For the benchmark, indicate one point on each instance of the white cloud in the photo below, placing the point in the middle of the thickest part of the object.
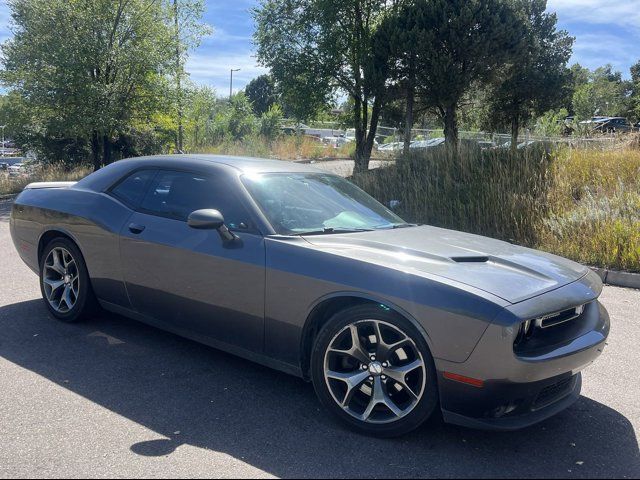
(219, 35)
(601, 49)
(621, 13)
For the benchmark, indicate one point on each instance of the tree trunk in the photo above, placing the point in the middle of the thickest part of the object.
(361, 158)
(366, 134)
(106, 150)
(411, 96)
(515, 130)
(178, 79)
(411, 93)
(95, 150)
(451, 128)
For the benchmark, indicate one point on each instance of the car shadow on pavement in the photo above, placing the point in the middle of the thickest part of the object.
(191, 394)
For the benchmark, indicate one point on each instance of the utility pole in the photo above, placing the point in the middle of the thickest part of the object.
(231, 82)
(3, 127)
(178, 77)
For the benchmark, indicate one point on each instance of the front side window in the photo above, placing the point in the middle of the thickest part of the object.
(131, 190)
(299, 203)
(177, 194)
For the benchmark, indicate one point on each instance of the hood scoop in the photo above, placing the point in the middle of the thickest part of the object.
(471, 259)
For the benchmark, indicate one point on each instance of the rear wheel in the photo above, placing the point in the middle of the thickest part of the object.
(64, 282)
(373, 370)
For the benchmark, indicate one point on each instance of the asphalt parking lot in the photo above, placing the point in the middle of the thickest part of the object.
(114, 398)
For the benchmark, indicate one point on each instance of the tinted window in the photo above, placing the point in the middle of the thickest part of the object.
(131, 190)
(177, 194)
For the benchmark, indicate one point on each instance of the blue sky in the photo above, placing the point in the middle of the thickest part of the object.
(606, 32)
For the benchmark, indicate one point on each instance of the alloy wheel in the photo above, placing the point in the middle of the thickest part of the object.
(61, 280)
(374, 371)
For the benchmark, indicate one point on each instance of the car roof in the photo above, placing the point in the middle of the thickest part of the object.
(106, 176)
(241, 164)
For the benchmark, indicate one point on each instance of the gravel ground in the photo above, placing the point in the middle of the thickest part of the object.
(114, 398)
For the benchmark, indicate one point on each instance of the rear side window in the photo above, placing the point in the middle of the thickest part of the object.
(131, 190)
(177, 194)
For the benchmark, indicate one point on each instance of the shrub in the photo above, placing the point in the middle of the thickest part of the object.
(270, 122)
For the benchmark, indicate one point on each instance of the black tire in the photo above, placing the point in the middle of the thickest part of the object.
(422, 410)
(85, 304)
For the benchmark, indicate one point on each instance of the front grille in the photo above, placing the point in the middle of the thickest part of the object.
(553, 393)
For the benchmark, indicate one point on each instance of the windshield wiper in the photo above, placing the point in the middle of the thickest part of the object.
(390, 226)
(330, 230)
(404, 225)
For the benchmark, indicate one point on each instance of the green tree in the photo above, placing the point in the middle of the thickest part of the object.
(270, 122)
(317, 47)
(262, 93)
(459, 45)
(605, 93)
(240, 119)
(200, 110)
(187, 34)
(394, 42)
(537, 79)
(90, 70)
(635, 91)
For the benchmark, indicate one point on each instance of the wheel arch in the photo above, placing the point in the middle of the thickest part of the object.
(325, 307)
(47, 236)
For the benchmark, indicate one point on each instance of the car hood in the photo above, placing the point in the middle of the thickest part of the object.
(507, 271)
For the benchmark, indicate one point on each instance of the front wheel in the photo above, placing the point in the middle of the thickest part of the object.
(373, 370)
(64, 282)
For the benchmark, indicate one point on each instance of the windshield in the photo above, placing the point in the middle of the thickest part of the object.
(299, 203)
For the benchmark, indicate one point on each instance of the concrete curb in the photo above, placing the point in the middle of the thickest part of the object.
(618, 279)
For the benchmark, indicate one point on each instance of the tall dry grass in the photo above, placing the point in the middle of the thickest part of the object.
(286, 147)
(595, 215)
(495, 193)
(44, 173)
(580, 203)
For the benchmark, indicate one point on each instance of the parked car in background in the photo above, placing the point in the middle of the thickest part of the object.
(424, 144)
(336, 142)
(16, 170)
(608, 124)
(391, 147)
(4, 166)
(485, 144)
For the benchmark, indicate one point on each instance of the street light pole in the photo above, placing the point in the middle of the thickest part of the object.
(231, 82)
(3, 149)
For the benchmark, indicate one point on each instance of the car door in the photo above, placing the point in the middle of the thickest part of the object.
(189, 281)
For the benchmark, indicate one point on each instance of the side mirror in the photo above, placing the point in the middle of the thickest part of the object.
(210, 219)
(206, 220)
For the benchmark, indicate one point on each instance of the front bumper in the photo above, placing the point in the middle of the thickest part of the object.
(531, 403)
(520, 389)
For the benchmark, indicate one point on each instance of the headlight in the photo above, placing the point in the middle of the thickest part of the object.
(525, 331)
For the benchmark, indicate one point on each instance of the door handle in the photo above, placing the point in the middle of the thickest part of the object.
(135, 228)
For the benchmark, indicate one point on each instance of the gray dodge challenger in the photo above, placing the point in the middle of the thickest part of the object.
(302, 271)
